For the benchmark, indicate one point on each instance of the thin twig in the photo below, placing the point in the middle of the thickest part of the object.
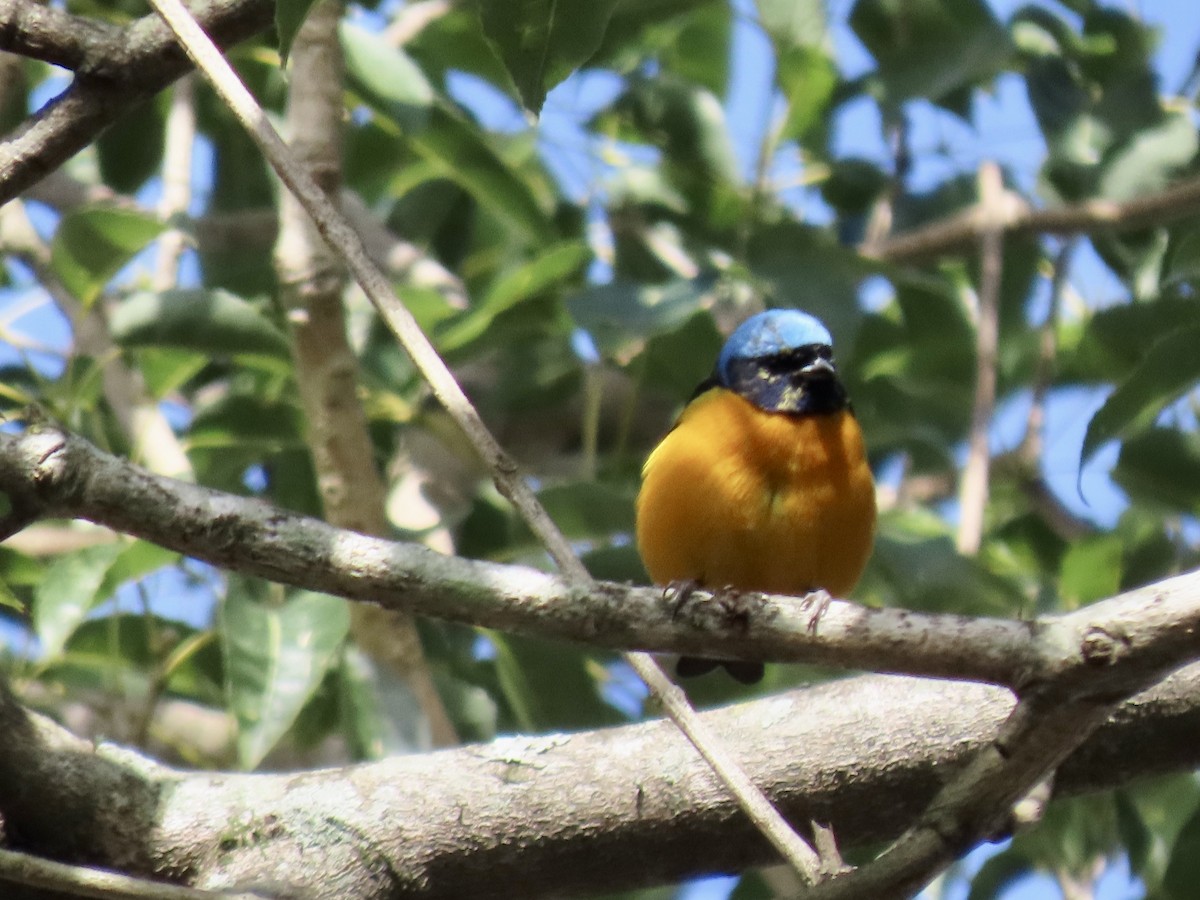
(957, 233)
(506, 475)
(1029, 452)
(85, 881)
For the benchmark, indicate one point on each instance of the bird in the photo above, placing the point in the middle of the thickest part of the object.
(763, 483)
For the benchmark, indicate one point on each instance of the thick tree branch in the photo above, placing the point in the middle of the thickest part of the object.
(973, 489)
(558, 814)
(1103, 648)
(115, 68)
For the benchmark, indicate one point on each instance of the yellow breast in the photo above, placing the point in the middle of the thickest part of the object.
(738, 496)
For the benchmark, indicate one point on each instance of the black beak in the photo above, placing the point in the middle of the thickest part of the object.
(819, 367)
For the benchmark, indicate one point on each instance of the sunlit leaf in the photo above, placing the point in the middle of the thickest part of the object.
(276, 655)
(386, 74)
(68, 592)
(93, 243)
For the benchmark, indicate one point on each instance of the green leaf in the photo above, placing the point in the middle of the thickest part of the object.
(9, 599)
(542, 41)
(248, 422)
(380, 716)
(276, 656)
(386, 75)
(621, 316)
(1162, 467)
(686, 121)
(997, 873)
(589, 509)
(69, 590)
(168, 369)
(131, 151)
(1183, 263)
(807, 268)
(808, 77)
(1134, 832)
(93, 243)
(455, 150)
(289, 16)
(544, 272)
(793, 23)
(136, 560)
(549, 685)
(1183, 870)
(1091, 570)
(206, 321)
(695, 46)
(930, 48)
(1150, 159)
(1118, 338)
(1170, 369)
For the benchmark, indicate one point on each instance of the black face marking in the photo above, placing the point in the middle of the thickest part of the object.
(800, 381)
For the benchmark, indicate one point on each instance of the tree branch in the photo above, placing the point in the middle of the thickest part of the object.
(558, 814)
(957, 234)
(973, 491)
(87, 881)
(115, 68)
(1105, 647)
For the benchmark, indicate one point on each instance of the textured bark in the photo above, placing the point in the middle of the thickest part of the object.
(556, 814)
(115, 69)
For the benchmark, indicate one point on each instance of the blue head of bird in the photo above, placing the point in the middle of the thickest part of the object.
(781, 360)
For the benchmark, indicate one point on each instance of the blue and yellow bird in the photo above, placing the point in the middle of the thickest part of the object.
(763, 484)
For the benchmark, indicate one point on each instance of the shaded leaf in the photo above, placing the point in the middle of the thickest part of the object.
(1161, 466)
(930, 48)
(455, 150)
(998, 873)
(550, 686)
(1171, 368)
(545, 271)
(620, 316)
(1183, 870)
(1091, 570)
(289, 16)
(131, 151)
(589, 509)
(542, 41)
(206, 321)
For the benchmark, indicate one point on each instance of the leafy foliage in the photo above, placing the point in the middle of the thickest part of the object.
(604, 250)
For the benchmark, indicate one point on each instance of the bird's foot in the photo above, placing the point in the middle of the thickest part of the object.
(678, 593)
(816, 604)
(728, 609)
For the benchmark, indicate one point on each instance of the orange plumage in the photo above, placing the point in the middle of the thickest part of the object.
(763, 484)
(760, 501)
